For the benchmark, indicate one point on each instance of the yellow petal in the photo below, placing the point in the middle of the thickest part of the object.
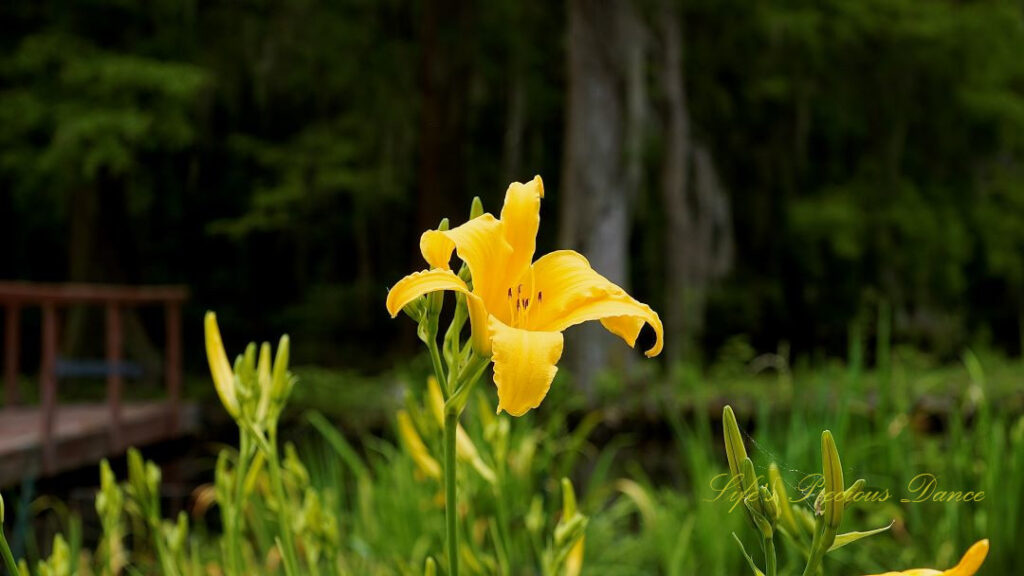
(426, 281)
(568, 291)
(481, 244)
(520, 217)
(972, 560)
(419, 283)
(914, 572)
(524, 365)
(968, 566)
(220, 368)
(436, 249)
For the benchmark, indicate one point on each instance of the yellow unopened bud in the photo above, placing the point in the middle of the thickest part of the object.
(414, 445)
(430, 568)
(264, 379)
(435, 400)
(220, 368)
(465, 449)
(570, 513)
(574, 562)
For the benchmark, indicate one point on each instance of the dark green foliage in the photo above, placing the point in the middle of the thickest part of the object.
(871, 151)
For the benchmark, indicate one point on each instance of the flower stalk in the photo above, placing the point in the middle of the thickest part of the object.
(254, 392)
(5, 548)
(451, 422)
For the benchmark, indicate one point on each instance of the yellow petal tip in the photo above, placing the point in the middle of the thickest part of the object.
(971, 561)
(539, 183)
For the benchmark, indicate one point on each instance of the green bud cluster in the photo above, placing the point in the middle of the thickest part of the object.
(770, 509)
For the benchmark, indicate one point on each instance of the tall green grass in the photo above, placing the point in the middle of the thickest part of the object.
(362, 504)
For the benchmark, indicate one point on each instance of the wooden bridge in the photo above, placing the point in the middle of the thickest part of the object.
(53, 437)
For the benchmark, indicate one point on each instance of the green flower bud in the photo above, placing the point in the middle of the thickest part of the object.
(751, 493)
(282, 379)
(264, 379)
(568, 499)
(752, 498)
(735, 451)
(535, 516)
(770, 504)
(416, 309)
(834, 490)
(786, 517)
(852, 491)
(476, 209)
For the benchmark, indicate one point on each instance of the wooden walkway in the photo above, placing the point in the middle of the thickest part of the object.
(82, 435)
(43, 440)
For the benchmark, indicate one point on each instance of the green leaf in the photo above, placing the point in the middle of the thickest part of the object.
(850, 537)
(757, 571)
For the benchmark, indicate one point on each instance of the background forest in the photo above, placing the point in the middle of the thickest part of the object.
(778, 169)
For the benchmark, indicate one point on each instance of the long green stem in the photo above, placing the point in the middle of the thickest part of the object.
(435, 360)
(234, 527)
(769, 554)
(451, 422)
(5, 549)
(287, 541)
(822, 542)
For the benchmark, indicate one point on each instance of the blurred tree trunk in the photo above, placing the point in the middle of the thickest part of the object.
(515, 111)
(674, 180)
(443, 78)
(699, 244)
(515, 126)
(97, 251)
(601, 157)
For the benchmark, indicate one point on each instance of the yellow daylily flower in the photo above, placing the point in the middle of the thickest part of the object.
(968, 565)
(519, 307)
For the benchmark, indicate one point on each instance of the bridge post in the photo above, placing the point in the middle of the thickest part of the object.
(114, 378)
(48, 383)
(172, 360)
(12, 351)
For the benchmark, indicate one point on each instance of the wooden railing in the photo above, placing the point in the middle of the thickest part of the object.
(51, 298)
